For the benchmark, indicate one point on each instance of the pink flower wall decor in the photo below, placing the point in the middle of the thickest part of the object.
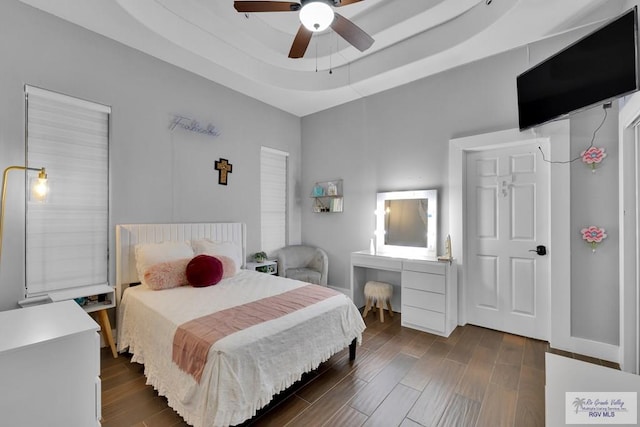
(593, 235)
(593, 156)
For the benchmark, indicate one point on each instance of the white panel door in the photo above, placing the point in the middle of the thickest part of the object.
(507, 218)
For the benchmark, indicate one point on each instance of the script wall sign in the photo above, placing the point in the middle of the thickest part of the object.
(192, 125)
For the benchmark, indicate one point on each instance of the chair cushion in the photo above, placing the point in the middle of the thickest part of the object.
(378, 290)
(304, 275)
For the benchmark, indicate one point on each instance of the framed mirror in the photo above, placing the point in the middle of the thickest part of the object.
(407, 223)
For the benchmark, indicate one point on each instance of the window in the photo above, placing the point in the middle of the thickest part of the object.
(67, 237)
(273, 199)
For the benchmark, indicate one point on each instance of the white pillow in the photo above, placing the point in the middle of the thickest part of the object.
(228, 249)
(149, 254)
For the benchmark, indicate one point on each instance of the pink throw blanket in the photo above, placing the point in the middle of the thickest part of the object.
(193, 339)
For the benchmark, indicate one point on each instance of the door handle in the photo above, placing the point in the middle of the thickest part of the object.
(540, 250)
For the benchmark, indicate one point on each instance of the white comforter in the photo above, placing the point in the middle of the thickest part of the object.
(244, 370)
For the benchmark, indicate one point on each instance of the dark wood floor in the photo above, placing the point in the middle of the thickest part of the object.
(401, 377)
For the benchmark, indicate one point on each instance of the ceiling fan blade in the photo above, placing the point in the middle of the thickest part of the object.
(352, 33)
(265, 6)
(300, 43)
(346, 2)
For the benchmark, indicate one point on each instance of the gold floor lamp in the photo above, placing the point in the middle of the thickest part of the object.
(38, 191)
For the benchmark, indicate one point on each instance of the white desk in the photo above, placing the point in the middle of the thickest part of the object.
(426, 289)
(49, 366)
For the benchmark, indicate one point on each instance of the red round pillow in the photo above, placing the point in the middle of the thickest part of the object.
(204, 270)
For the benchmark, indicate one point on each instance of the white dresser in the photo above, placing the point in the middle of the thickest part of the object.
(427, 288)
(49, 366)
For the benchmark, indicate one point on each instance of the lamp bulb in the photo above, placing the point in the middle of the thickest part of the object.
(40, 189)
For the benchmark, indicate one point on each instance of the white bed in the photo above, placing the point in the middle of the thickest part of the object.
(244, 370)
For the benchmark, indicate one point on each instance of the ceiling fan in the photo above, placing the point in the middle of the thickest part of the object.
(315, 16)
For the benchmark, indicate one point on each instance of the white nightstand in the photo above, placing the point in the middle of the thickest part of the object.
(97, 300)
(269, 267)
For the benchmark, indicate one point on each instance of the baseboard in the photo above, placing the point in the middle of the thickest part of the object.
(586, 347)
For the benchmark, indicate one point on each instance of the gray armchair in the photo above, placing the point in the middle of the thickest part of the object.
(305, 263)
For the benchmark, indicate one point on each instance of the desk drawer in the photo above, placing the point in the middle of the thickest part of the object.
(424, 266)
(377, 262)
(425, 300)
(423, 281)
(423, 318)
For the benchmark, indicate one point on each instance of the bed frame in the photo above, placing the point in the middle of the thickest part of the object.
(129, 235)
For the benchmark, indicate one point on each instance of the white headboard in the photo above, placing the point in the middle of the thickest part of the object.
(129, 235)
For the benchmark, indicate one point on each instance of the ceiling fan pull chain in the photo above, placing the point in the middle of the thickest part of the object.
(337, 39)
(330, 66)
(330, 53)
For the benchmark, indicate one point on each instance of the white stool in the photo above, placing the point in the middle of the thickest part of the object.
(380, 293)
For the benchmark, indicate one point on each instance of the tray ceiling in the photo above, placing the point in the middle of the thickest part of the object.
(248, 52)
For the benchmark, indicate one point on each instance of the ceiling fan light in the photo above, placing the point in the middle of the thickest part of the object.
(316, 16)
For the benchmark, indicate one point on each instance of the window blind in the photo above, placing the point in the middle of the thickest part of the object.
(67, 236)
(273, 199)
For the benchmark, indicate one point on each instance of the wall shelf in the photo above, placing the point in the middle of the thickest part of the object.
(327, 196)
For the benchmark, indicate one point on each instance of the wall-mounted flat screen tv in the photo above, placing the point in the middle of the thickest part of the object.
(596, 69)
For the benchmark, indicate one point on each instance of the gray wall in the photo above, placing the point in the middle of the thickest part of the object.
(595, 307)
(395, 140)
(156, 175)
(398, 140)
